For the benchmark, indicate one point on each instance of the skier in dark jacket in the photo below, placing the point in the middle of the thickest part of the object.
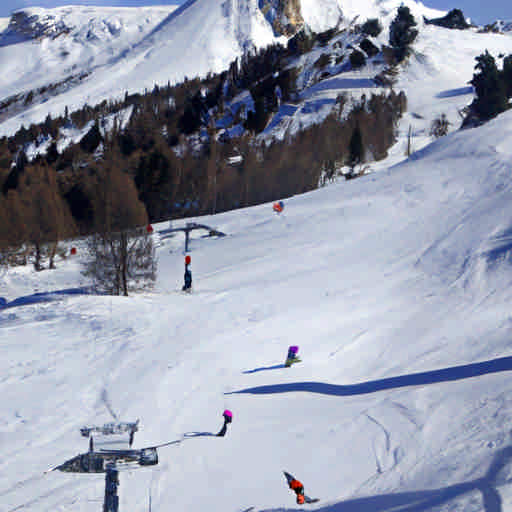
(188, 275)
(228, 418)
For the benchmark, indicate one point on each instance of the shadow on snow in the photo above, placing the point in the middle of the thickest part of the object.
(265, 368)
(451, 93)
(36, 298)
(190, 435)
(453, 373)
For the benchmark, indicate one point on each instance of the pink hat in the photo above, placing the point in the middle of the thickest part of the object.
(228, 413)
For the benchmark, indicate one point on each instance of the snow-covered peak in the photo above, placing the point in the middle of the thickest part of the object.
(323, 14)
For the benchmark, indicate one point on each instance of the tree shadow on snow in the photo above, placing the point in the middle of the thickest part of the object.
(36, 298)
(422, 501)
(265, 368)
(453, 373)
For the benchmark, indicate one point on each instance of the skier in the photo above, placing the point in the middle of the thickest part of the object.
(292, 356)
(278, 207)
(188, 275)
(228, 418)
(296, 486)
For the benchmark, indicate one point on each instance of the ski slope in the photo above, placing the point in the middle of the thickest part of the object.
(396, 287)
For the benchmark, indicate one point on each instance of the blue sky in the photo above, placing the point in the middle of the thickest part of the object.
(478, 11)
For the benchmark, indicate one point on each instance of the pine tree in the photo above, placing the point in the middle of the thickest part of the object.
(357, 59)
(52, 154)
(153, 180)
(507, 75)
(489, 87)
(356, 148)
(92, 139)
(371, 27)
(402, 32)
(4, 235)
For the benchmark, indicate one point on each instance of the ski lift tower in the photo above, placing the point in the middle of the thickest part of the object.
(111, 501)
(110, 462)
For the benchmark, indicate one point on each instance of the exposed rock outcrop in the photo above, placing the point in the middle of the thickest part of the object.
(284, 15)
(24, 25)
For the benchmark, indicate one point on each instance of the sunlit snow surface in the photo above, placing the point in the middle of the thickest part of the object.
(395, 286)
(81, 39)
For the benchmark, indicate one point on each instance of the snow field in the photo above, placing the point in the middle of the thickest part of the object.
(396, 288)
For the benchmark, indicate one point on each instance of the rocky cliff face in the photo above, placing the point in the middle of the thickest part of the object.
(284, 15)
(25, 25)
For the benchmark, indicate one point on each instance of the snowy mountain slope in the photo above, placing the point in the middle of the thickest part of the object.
(201, 36)
(48, 45)
(4, 22)
(436, 79)
(396, 287)
(431, 81)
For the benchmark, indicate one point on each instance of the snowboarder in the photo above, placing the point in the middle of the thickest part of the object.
(298, 488)
(292, 356)
(228, 418)
(187, 287)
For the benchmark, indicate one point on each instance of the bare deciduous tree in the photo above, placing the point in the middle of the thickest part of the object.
(122, 251)
(47, 216)
(4, 235)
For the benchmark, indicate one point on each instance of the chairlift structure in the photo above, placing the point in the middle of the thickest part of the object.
(110, 462)
(190, 226)
(112, 428)
(99, 461)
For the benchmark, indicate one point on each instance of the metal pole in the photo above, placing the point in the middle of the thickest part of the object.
(111, 503)
(187, 232)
